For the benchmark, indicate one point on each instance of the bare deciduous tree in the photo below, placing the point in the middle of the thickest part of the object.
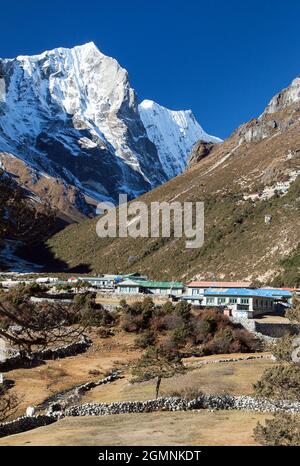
(27, 325)
(8, 404)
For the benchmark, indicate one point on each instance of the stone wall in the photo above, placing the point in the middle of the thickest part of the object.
(24, 423)
(61, 400)
(231, 359)
(251, 326)
(214, 402)
(211, 402)
(19, 360)
(275, 330)
(266, 331)
(115, 298)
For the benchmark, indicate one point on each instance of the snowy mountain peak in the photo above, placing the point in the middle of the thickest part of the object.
(83, 49)
(72, 114)
(174, 132)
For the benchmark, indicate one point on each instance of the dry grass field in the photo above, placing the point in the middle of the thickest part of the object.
(234, 378)
(39, 383)
(183, 428)
(36, 384)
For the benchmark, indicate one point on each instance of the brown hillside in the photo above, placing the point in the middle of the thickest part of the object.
(251, 175)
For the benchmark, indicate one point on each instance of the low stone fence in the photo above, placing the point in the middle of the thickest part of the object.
(64, 351)
(115, 298)
(22, 424)
(19, 360)
(63, 399)
(211, 402)
(232, 359)
(276, 330)
(49, 299)
(267, 331)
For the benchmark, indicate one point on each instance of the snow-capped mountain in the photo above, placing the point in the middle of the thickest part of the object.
(174, 133)
(72, 115)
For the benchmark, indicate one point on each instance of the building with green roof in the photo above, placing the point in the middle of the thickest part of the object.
(150, 287)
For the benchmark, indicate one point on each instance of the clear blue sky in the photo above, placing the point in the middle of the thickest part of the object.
(223, 59)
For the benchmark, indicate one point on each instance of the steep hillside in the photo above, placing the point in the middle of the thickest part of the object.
(67, 200)
(71, 115)
(251, 189)
(24, 221)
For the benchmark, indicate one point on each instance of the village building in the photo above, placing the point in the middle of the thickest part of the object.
(105, 282)
(242, 302)
(46, 280)
(150, 287)
(198, 287)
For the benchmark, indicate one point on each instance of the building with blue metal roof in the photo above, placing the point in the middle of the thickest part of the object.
(243, 302)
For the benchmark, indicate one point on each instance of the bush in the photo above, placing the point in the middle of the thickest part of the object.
(280, 382)
(171, 322)
(84, 300)
(203, 329)
(283, 349)
(94, 372)
(158, 324)
(104, 332)
(168, 308)
(282, 430)
(145, 340)
(222, 342)
(96, 316)
(183, 310)
(188, 393)
(210, 328)
(181, 334)
(132, 323)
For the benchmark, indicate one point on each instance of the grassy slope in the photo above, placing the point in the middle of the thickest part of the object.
(184, 428)
(236, 378)
(238, 243)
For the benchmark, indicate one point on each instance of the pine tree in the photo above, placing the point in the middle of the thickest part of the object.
(282, 382)
(157, 362)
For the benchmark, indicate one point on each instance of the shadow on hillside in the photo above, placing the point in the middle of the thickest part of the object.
(41, 255)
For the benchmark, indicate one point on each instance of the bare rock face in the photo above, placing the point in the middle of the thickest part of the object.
(200, 150)
(285, 98)
(282, 112)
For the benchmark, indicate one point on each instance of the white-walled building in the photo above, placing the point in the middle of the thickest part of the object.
(242, 302)
(150, 287)
(197, 288)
